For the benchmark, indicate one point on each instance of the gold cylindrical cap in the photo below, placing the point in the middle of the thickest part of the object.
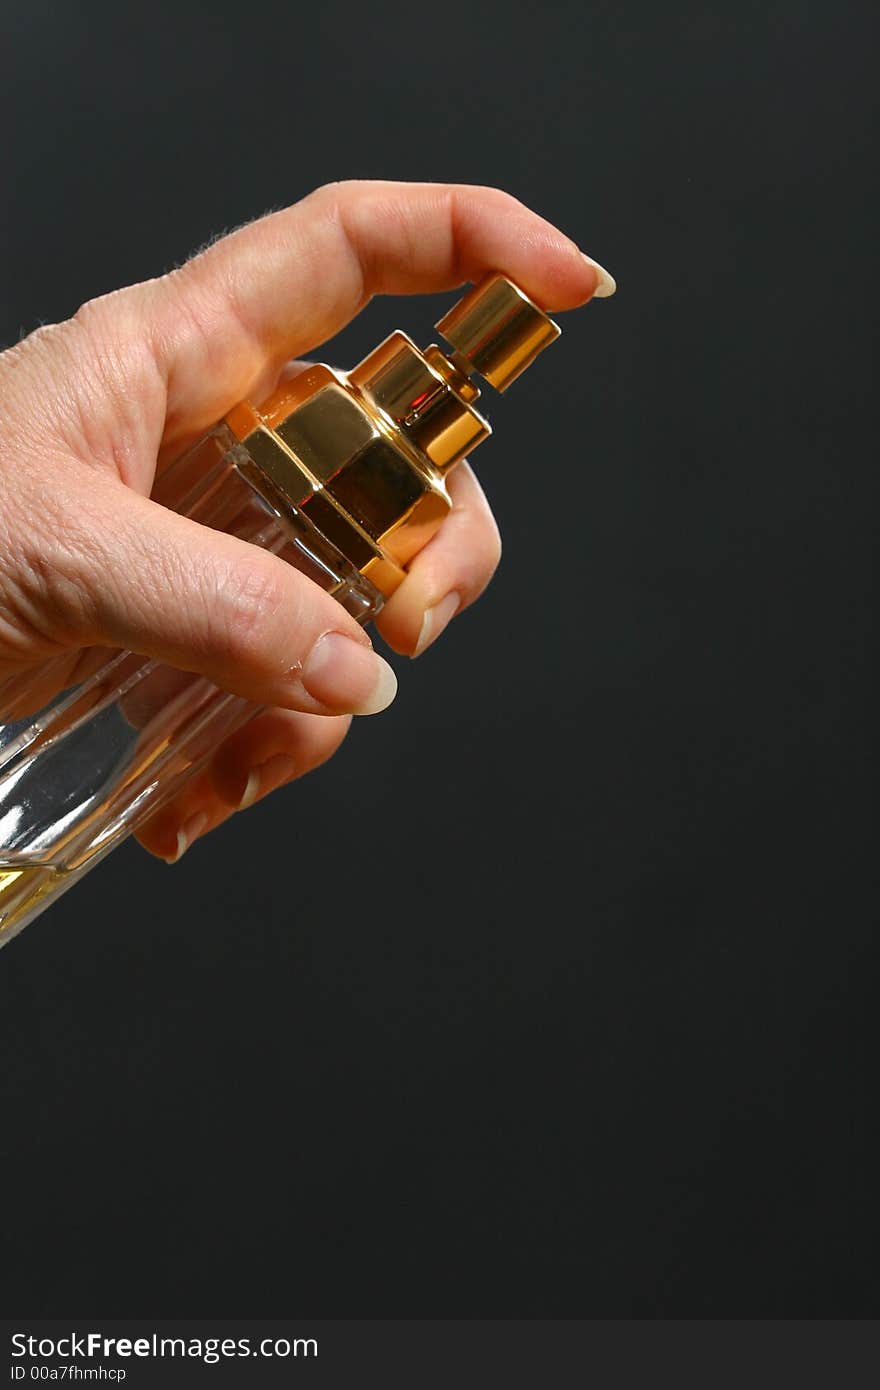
(498, 330)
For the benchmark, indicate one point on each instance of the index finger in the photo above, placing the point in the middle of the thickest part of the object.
(279, 286)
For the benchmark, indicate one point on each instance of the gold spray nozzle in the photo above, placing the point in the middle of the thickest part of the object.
(497, 331)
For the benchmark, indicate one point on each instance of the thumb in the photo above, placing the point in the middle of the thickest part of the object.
(129, 573)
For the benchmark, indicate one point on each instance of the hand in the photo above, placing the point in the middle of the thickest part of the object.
(95, 406)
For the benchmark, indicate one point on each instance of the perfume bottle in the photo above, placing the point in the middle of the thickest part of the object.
(341, 475)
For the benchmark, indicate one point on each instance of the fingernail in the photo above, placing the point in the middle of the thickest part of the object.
(189, 831)
(435, 620)
(347, 676)
(607, 283)
(266, 777)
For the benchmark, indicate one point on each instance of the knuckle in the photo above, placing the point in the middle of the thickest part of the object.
(254, 597)
(112, 333)
(82, 559)
(91, 314)
(70, 608)
(501, 201)
(331, 191)
(189, 318)
(109, 336)
(98, 361)
(73, 582)
(50, 589)
(103, 339)
(116, 383)
(46, 354)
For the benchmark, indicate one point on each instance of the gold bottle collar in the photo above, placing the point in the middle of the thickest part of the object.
(365, 454)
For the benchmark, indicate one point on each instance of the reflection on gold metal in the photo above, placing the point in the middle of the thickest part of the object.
(497, 330)
(364, 455)
(431, 410)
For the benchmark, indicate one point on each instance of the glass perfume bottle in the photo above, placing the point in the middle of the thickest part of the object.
(341, 475)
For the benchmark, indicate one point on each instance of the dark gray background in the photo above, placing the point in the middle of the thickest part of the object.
(555, 994)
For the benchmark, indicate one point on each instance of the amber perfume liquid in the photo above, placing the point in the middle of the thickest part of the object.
(22, 890)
